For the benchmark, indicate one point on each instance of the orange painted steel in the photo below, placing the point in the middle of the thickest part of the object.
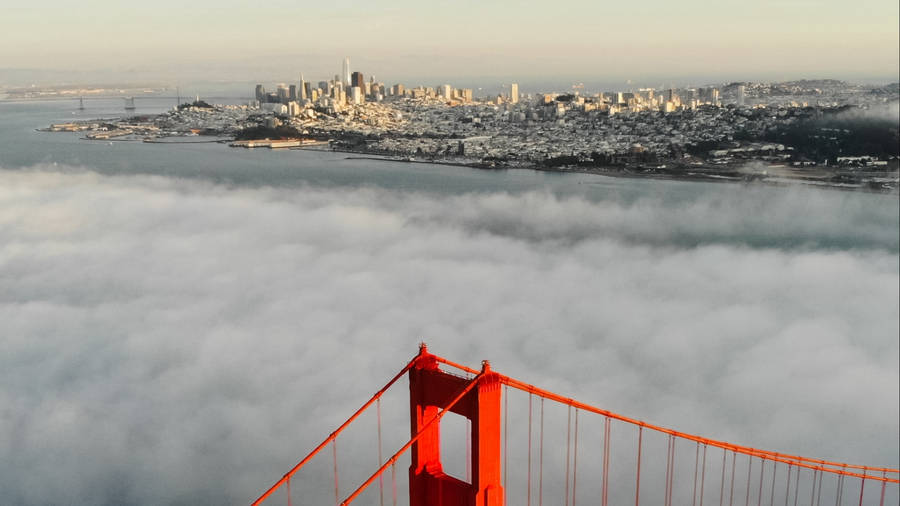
(428, 426)
(333, 435)
(815, 464)
(430, 388)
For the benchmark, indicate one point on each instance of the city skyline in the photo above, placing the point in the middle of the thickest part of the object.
(498, 42)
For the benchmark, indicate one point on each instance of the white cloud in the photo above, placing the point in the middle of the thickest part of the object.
(171, 341)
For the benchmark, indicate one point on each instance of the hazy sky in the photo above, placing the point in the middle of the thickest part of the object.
(462, 39)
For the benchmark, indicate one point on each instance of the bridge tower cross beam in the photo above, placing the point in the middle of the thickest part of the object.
(430, 388)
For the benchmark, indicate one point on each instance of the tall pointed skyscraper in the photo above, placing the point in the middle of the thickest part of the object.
(345, 75)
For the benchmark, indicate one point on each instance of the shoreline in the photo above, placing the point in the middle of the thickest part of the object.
(783, 182)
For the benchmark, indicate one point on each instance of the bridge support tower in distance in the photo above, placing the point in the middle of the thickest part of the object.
(430, 389)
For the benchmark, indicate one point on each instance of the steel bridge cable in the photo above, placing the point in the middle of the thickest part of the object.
(605, 478)
(840, 490)
(722, 483)
(575, 463)
(637, 485)
(749, 475)
(394, 482)
(696, 463)
(772, 493)
(733, 466)
(797, 486)
(703, 475)
(434, 420)
(337, 497)
(288, 488)
(819, 492)
(787, 490)
(568, 450)
(788, 459)
(530, 411)
(541, 459)
(668, 469)
(334, 434)
(380, 456)
(762, 472)
(799, 461)
(812, 490)
(862, 487)
(883, 486)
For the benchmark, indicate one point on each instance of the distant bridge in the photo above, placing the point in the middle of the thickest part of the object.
(692, 470)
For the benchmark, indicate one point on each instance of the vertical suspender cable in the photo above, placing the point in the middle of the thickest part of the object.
(337, 498)
(883, 486)
(637, 485)
(672, 474)
(541, 459)
(819, 491)
(812, 493)
(703, 475)
(530, 411)
(568, 449)
(394, 481)
(696, 462)
(722, 483)
(288, 484)
(762, 472)
(862, 486)
(380, 456)
(787, 490)
(668, 469)
(733, 466)
(772, 493)
(797, 485)
(749, 475)
(840, 489)
(605, 479)
(575, 463)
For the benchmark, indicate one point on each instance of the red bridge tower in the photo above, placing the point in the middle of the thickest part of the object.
(430, 389)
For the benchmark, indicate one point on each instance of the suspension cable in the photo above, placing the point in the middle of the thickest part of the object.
(380, 456)
(733, 466)
(337, 497)
(575, 463)
(862, 487)
(787, 490)
(668, 469)
(334, 434)
(568, 451)
(696, 462)
(541, 459)
(637, 485)
(703, 475)
(436, 419)
(762, 473)
(749, 475)
(605, 485)
(530, 412)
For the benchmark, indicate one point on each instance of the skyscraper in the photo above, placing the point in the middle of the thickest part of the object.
(514, 93)
(345, 75)
(356, 79)
(741, 90)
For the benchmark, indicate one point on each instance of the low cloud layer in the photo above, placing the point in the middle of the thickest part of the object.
(168, 341)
